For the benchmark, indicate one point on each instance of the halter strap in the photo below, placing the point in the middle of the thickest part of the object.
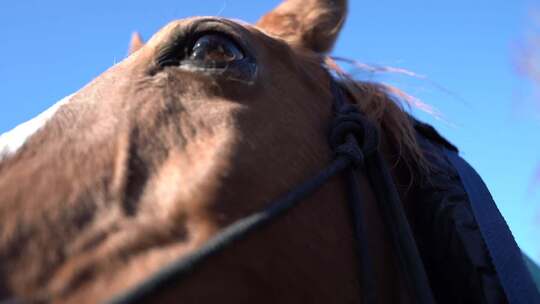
(349, 128)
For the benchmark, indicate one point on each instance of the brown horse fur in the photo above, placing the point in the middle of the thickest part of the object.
(136, 43)
(143, 166)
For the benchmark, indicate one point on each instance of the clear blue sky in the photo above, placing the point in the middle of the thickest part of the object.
(50, 49)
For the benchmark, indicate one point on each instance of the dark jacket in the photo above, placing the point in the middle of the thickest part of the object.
(455, 256)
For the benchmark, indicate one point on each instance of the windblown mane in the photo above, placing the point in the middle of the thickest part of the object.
(387, 111)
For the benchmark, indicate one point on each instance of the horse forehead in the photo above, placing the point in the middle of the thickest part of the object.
(13, 140)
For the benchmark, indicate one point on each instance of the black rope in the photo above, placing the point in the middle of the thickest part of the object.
(366, 274)
(396, 221)
(349, 128)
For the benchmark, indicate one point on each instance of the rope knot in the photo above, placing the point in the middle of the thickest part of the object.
(352, 135)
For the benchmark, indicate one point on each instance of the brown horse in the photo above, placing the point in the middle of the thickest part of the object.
(206, 123)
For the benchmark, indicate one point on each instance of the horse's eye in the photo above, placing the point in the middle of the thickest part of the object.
(215, 50)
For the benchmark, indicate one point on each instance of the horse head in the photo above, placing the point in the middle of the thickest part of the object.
(200, 126)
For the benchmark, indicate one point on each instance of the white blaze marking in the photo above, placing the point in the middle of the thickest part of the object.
(12, 141)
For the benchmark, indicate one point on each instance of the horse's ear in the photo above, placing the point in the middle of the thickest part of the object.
(136, 43)
(313, 24)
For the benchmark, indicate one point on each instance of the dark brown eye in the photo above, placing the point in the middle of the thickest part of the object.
(215, 50)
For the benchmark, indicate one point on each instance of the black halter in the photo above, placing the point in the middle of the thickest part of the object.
(355, 143)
